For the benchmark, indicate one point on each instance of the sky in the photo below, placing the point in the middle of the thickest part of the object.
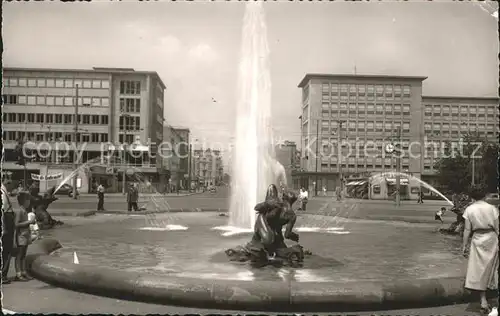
(195, 47)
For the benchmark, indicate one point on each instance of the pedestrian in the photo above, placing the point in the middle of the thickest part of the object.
(22, 237)
(439, 216)
(338, 192)
(420, 197)
(132, 198)
(100, 197)
(303, 197)
(8, 231)
(481, 223)
(324, 190)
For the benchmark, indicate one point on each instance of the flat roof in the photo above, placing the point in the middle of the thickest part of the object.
(310, 76)
(109, 70)
(435, 97)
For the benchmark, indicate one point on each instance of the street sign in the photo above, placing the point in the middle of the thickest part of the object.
(109, 170)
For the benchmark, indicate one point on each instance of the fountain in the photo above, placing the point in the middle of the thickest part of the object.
(374, 265)
(254, 162)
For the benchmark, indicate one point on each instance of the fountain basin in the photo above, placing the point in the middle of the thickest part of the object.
(356, 265)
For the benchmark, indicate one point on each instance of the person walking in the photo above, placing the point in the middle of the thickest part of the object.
(481, 224)
(100, 197)
(132, 198)
(303, 197)
(420, 197)
(324, 190)
(8, 231)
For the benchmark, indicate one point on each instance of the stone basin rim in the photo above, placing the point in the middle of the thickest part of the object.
(276, 296)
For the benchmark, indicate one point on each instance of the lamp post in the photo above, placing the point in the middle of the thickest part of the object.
(75, 154)
(339, 149)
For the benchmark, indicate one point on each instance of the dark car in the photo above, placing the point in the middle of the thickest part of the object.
(66, 189)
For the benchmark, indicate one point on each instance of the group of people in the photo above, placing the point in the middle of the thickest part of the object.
(478, 224)
(19, 230)
(132, 197)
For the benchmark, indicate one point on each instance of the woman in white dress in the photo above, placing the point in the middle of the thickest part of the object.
(481, 223)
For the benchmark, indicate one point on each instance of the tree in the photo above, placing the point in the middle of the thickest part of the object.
(456, 164)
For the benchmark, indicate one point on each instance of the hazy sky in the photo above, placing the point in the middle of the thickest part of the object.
(195, 48)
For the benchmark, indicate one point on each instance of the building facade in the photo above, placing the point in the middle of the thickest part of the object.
(115, 106)
(286, 155)
(176, 156)
(451, 118)
(348, 121)
(207, 167)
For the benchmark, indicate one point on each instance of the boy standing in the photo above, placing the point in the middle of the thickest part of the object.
(23, 236)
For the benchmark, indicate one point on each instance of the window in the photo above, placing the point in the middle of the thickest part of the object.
(40, 83)
(380, 109)
(11, 117)
(31, 82)
(49, 118)
(68, 137)
(96, 101)
(380, 90)
(105, 102)
(49, 100)
(325, 88)
(31, 100)
(68, 83)
(376, 188)
(86, 101)
(59, 83)
(96, 84)
(22, 99)
(87, 84)
(68, 101)
(104, 138)
(85, 138)
(95, 137)
(406, 109)
(50, 83)
(406, 90)
(22, 118)
(388, 92)
(59, 118)
(22, 82)
(105, 84)
(39, 118)
(130, 105)
(12, 82)
(104, 120)
(95, 119)
(40, 100)
(86, 119)
(31, 118)
(78, 82)
(130, 87)
(68, 118)
(9, 99)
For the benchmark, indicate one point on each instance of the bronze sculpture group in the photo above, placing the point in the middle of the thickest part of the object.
(267, 246)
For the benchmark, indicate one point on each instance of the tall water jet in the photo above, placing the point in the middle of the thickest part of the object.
(254, 164)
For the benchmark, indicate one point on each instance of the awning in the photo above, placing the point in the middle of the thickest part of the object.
(355, 183)
(402, 181)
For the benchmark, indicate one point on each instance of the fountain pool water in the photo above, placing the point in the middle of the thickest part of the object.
(379, 250)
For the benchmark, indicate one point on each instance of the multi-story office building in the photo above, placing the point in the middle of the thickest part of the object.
(451, 118)
(114, 105)
(207, 166)
(367, 112)
(362, 113)
(176, 155)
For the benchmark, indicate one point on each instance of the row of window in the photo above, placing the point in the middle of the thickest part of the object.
(462, 108)
(461, 116)
(55, 83)
(456, 126)
(12, 99)
(55, 136)
(130, 123)
(387, 90)
(52, 118)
